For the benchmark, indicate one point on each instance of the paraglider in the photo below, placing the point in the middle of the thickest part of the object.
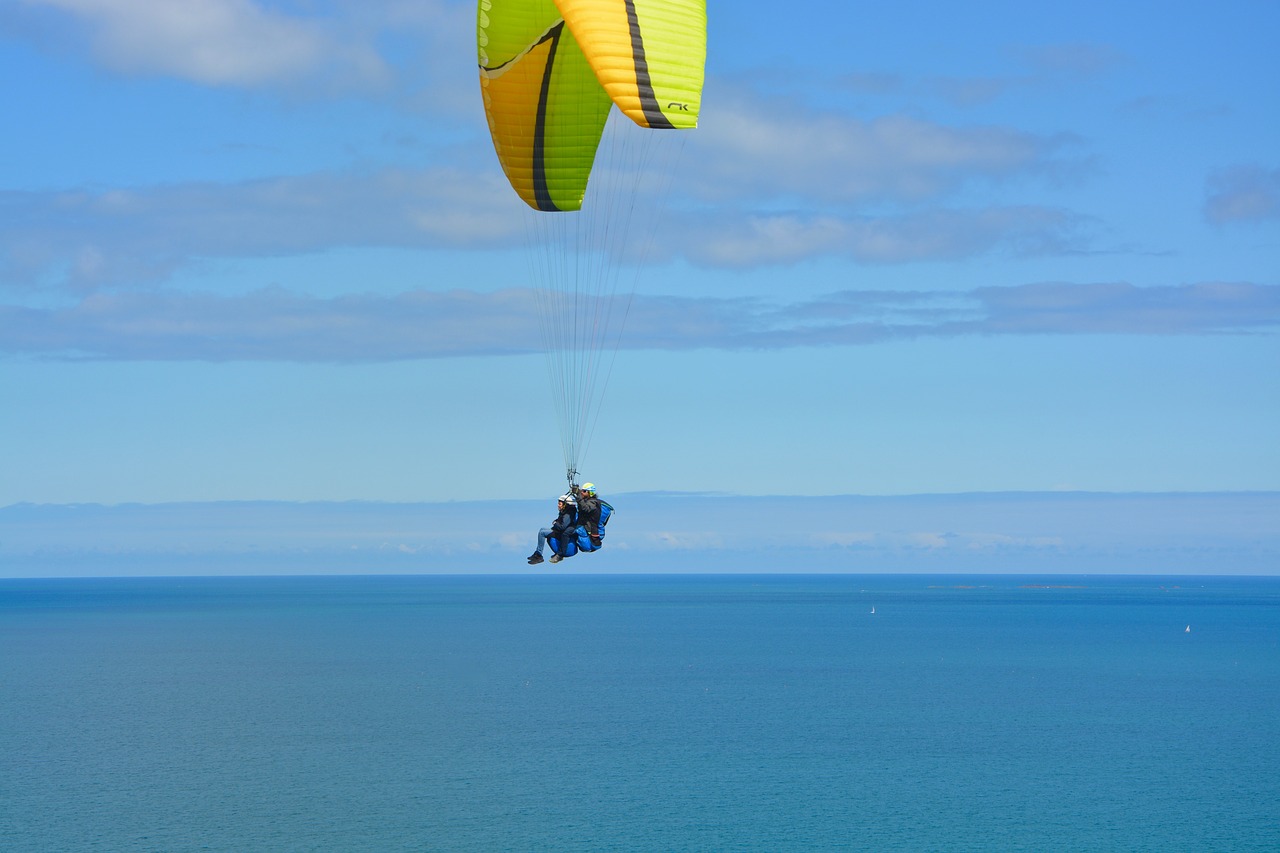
(551, 73)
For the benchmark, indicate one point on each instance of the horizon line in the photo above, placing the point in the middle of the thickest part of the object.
(664, 493)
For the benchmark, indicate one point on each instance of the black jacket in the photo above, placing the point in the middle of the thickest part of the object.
(567, 521)
(589, 514)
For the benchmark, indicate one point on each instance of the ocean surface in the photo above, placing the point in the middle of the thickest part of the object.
(640, 713)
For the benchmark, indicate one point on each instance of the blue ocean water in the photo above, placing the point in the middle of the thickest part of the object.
(645, 713)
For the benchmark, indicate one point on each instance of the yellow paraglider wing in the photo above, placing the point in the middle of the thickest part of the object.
(648, 55)
(549, 70)
(546, 110)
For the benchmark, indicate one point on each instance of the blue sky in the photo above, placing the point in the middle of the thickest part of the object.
(264, 251)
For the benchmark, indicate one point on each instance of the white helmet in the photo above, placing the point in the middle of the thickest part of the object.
(567, 499)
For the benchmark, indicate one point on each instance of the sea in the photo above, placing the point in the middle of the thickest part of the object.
(544, 712)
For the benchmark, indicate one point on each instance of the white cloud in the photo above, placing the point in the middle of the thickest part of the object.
(82, 240)
(274, 325)
(777, 238)
(751, 147)
(1242, 194)
(277, 325)
(1119, 308)
(218, 42)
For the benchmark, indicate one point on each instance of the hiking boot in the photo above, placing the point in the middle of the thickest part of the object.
(535, 558)
(555, 558)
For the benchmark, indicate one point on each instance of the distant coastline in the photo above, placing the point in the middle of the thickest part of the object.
(1033, 533)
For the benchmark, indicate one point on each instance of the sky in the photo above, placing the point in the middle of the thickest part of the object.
(263, 251)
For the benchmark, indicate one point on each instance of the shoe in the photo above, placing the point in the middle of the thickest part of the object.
(535, 558)
(555, 558)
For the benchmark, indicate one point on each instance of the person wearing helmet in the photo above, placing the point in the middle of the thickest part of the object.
(589, 511)
(566, 521)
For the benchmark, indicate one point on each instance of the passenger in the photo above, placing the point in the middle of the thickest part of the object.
(561, 529)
